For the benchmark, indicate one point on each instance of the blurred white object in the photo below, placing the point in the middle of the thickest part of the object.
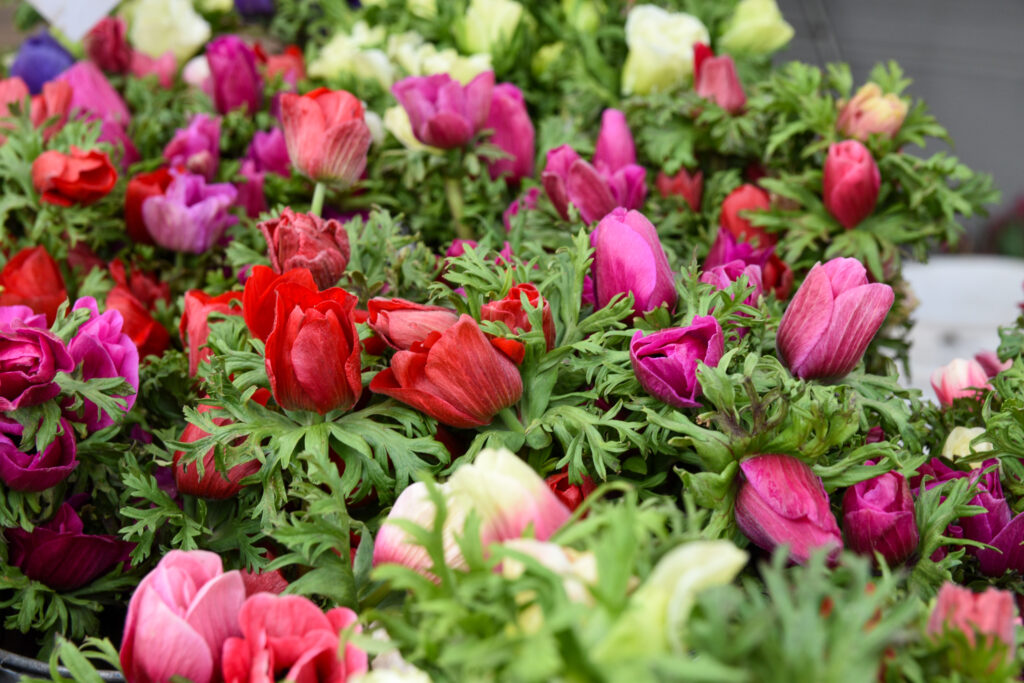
(963, 302)
(73, 18)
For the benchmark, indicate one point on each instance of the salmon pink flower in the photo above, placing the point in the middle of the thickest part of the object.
(326, 135)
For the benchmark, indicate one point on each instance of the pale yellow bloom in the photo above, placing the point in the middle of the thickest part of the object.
(660, 49)
(958, 444)
(349, 54)
(488, 25)
(396, 121)
(755, 27)
(157, 26)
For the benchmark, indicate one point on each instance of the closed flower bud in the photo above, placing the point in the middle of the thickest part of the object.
(831, 319)
(666, 362)
(505, 494)
(195, 325)
(961, 378)
(32, 278)
(76, 178)
(106, 45)
(40, 59)
(158, 26)
(615, 148)
(236, 82)
(511, 312)
(782, 502)
(660, 49)
(488, 26)
(458, 376)
(93, 97)
(326, 135)
(871, 112)
(878, 516)
(628, 257)
(212, 484)
(756, 27)
(850, 183)
(196, 148)
(313, 351)
(715, 79)
(683, 184)
(301, 240)
(746, 198)
(513, 133)
(959, 444)
(443, 113)
(260, 296)
(989, 615)
(402, 323)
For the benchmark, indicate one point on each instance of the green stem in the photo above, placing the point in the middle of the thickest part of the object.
(453, 192)
(318, 199)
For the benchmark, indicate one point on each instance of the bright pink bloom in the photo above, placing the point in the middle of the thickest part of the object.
(443, 112)
(513, 133)
(878, 516)
(959, 379)
(628, 257)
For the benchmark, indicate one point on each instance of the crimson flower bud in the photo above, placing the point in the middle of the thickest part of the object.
(831, 319)
(511, 312)
(683, 184)
(261, 293)
(305, 240)
(782, 502)
(850, 183)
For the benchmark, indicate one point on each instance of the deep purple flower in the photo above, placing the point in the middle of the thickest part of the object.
(35, 471)
(40, 59)
(666, 362)
(444, 113)
(191, 215)
(269, 152)
(251, 9)
(236, 81)
(59, 553)
(513, 133)
(102, 349)
(196, 148)
(628, 257)
(878, 515)
(782, 502)
(30, 358)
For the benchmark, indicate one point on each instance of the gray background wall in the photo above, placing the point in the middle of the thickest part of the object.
(966, 59)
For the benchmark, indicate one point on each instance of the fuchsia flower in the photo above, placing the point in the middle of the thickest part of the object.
(715, 79)
(850, 182)
(990, 363)
(831, 319)
(527, 202)
(878, 515)
(61, 555)
(30, 358)
(444, 113)
(503, 491)
(179, 618)
(102, 349)
(722, 277)
(288, 636)
(269, 152)
(35, 471)
(513, 133)
(628, 257)
(196, 149)
(236, 81)
(92, 96)
(961, 378)
(782, 502)
(614, 179)
(666, 362)
(191, 215)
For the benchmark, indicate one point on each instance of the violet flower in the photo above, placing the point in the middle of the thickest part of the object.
(444, 113)
(666, 362)
(102, 349)
(236, 81)
(40, 59)
(30, 358)
(36, 471)
(61, 555)
(196, 148)
(269, 152)
(191, 215)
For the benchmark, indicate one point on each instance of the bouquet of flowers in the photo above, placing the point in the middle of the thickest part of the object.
(486, 340)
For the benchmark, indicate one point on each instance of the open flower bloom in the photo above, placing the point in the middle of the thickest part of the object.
(61, 555)
(196, 148)
(458, 376)
(326, 135)
(989, 614)
(32, 278)
(831, 320)
(782, 502)
(850, 182)
(38, 471)
(30, 358)
(504, 493)
(443, 113)
(191, 215)
(961, 378)
(76, 178)
(179, 618)
(288, 635)
(666, 362)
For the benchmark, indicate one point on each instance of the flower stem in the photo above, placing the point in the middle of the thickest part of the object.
(318, 199)
(453, 192)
